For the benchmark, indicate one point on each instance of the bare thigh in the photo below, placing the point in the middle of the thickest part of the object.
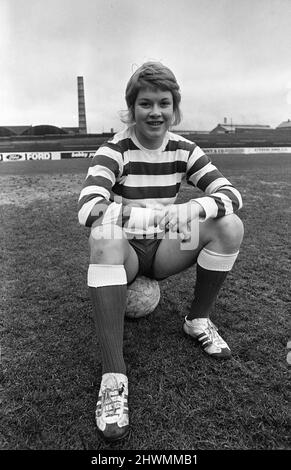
(222, 235)
(172, 257)
(131, 264)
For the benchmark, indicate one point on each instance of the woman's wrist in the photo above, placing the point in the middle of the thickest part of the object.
(196, 210)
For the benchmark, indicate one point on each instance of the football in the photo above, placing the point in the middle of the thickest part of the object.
(143, 295)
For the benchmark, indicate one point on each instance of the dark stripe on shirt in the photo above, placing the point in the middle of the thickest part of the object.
(148, 192)
(99, 216)
(88, 198)
(220, 205)
(98, 181)
(205, 180)
(167, 168)
(200, 163)
(107, 162)
(232, 196)
(174, 145)
(121, 146)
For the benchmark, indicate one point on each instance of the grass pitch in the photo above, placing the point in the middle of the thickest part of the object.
(179, 397)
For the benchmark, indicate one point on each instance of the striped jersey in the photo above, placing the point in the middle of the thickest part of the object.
(124, 175)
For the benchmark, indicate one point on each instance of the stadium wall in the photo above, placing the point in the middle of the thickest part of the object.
(26, 156)
(57, 147)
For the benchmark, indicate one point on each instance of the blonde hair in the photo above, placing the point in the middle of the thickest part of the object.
(153, 75)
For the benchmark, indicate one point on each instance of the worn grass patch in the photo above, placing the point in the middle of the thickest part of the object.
(179, 398)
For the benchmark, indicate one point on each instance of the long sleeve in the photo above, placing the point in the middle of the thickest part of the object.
(97, 201)
(94, 199)
(221, 197)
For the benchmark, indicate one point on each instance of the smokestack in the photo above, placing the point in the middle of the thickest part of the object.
(81, 107)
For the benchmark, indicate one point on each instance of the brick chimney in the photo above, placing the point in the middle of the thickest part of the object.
(81, 107)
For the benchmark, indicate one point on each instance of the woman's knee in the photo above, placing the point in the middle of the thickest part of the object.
(230, 230)
(107, 248)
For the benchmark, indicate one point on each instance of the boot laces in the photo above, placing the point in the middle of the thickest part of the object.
(213, 335)
(111, 400)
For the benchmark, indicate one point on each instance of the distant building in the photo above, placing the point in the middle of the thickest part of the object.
(238, 128)
(285, 125)
(185, 133)
(44, 129)
(6, 132)
(16, 130)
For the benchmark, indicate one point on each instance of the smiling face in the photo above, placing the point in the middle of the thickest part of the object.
(153, 113)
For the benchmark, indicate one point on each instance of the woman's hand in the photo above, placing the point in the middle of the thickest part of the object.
(178, 218)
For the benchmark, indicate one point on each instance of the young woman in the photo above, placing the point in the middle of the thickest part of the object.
(128, 201)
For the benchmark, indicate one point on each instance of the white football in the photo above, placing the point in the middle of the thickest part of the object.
(143, 295)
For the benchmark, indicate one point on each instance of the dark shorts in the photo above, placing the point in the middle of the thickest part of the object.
(145, 249)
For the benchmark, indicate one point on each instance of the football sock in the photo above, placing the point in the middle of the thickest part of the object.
(212, 269)
(108, 289)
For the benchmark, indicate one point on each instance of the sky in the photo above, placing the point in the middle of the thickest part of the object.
(231, 59)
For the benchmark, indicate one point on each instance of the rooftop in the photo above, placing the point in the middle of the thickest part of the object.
(285, 125)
